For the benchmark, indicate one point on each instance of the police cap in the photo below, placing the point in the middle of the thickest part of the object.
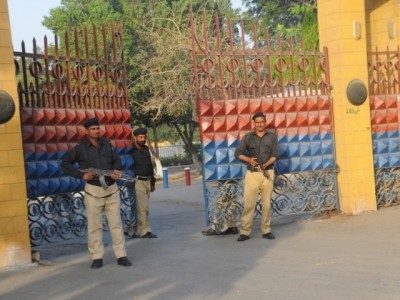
(139, 131)
(91, 122)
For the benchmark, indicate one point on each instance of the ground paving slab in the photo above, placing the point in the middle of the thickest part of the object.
(338, 257)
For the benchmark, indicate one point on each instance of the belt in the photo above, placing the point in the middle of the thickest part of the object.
(258, 169)
(106, 196)
(143, 178)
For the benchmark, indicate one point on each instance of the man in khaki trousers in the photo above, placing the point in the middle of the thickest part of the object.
(144, 183)
(259, 150)
(101, 194)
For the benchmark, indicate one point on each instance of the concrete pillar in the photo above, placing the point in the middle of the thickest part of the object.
(342, 28)
(14, 228)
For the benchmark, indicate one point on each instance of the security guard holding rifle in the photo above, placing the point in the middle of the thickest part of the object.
(259, 150)
(97, 152)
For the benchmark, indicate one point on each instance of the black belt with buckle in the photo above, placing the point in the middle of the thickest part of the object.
(143, 178)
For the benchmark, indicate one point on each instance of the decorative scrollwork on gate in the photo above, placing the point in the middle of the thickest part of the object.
(63, 216)
(56, 217)
(224, 204)
(387, 186)
(297, 193)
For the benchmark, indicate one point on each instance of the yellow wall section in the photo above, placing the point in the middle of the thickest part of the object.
(14, 228)
(353, 139)
(380, 16)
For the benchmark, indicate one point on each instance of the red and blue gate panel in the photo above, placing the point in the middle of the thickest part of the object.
(48, 133)
(303, 125)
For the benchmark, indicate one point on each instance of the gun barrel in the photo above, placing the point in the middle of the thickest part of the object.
(100, 172)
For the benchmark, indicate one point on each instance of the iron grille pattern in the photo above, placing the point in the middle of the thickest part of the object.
(385, 116)
(236, 75)
(59, 89)
(228, 66)
(64, 79)
(387, 186)
(384, 72)
(63, 216)
(296, 193)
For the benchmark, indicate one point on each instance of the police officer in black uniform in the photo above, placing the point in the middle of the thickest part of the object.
(145, 181)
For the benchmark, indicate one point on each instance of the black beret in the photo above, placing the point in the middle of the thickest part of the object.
(257, 115)
(90, 122)
(139, 131)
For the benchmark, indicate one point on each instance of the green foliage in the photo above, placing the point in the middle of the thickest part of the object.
(176, 160)
(157, 47)
(165, 133)
(289, 18)
(80, 13)
(76, 15)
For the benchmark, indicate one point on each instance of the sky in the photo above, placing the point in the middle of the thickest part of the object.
(26, 18)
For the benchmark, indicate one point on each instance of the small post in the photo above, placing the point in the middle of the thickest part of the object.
(165, 177)
(187, 176)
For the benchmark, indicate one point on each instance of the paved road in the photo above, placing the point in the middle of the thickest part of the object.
(341, 257)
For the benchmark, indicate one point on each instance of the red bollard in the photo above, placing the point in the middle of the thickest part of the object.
(187, 176)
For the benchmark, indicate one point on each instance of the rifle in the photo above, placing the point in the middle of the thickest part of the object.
(102, 173)
(258, 157)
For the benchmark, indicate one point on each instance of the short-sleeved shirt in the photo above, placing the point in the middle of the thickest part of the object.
(262, 148)
(86, 155)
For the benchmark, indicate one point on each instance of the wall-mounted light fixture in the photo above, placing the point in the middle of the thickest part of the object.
(391, 29)
(356, 30)
(7, 107)
(356, 92)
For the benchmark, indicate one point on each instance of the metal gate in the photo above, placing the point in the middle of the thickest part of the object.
(384, 90)
(236, 75)
(59, 90)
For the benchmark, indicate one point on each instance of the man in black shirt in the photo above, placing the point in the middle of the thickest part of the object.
(145, 181)
(96, 152)
(259, 150)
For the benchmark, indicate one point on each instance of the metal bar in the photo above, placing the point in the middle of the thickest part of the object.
(194, 57)
(56, 73)
(78, 72)
(115, 68)
(122, 62)
(219, 59)
(106, 99)
(244, 60)
(25, 77)
(97, 80)
(68, 96)
(89, 99)
(49, 92)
